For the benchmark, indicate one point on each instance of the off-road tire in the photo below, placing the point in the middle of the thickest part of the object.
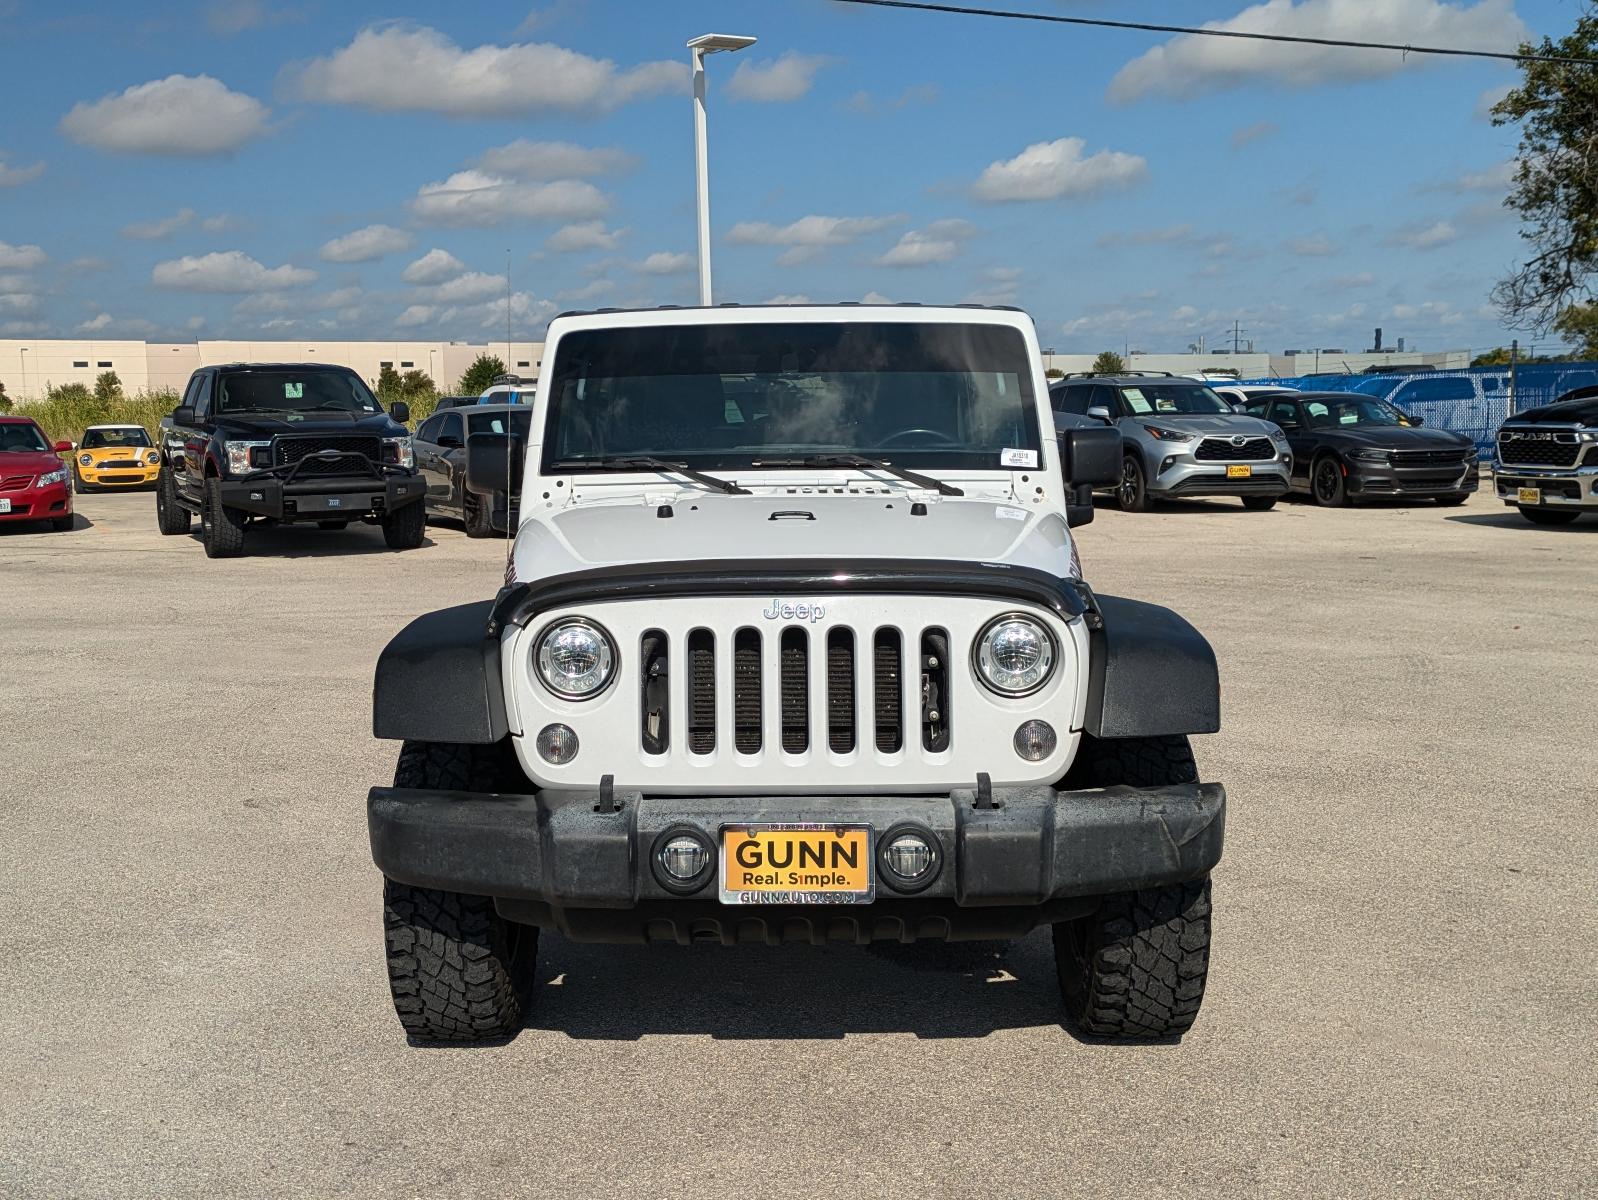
(170, 516)
(1136, 967)
(405, 527)
(1452, 499)
(1548, 516)
(457, 970)
(1132, 493)
(333, 525)
(477, 516)
(1326, 483)
(221, 528)
(1259, 503)
(61, 524)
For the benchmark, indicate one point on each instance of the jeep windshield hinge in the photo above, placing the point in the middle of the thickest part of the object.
(985, 791)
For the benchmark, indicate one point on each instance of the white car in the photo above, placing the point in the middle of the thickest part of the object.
(794, 644)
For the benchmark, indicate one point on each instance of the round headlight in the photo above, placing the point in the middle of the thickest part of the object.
(85, 459)
(1014, 655)
(574, 658)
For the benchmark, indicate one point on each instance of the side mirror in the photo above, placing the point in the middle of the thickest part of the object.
(1102, 413)
(400, 411)
(63, 447)
(1416, 422)
(183, 414)
(1239, 407)
(494, 464)
(1078, 507)
(1092, 457)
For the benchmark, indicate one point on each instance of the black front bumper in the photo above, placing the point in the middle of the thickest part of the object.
(322, 498)
(1387, 479)
(563, 859)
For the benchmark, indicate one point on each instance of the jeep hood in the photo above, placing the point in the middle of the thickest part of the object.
(760, 528)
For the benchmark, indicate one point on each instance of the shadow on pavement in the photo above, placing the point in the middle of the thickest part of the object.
(307, 541)
(1513, 520)
(10, 528)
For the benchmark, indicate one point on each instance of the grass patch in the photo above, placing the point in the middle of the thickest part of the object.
(67, 411)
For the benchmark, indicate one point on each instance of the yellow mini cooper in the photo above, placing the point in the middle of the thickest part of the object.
(115, 456)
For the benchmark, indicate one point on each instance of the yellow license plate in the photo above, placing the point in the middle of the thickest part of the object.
(1531, 495)
(1239, 472)
(797, 864)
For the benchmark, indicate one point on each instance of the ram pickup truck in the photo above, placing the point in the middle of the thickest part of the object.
(286, 443)
(1547, 460)
(794, 645)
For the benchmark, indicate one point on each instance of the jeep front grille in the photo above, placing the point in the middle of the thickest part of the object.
(289, 450)
(1221, 449)
(1529, 448)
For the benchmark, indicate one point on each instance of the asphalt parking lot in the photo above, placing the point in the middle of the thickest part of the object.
(1403, 990)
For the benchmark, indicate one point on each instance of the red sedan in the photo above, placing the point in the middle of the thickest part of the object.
(34, 483)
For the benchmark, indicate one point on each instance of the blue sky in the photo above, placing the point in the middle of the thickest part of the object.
(248, 168)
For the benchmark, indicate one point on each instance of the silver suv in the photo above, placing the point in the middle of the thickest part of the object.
(1180, 439)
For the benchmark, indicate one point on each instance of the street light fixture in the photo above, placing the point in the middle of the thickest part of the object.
(708, 43)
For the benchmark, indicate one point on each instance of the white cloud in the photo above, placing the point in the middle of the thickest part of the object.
(1496, 178)
(523, 159)
(874, 298)
(406, 68)
(366, 245)
(525, 312)
(11, 177)
(95, 323)
(1146, 237)
(161, 227)
(938, 243)
(811, 231)
(1189, 65)
(434, 267)
(229, 17)
(1360, 279)
(180, 116)
(1052, 170)
(1314, 246)
(20, 258)
(584, 235)
(589, 291)
(416, 314)
(1488, 100)
(18, 303)
(220, 223)
(1253, 133)
(268, 303)
(784, 298)
(228, 271)
(1422, 235)
(662, 262)
(475, 198)
(776, 81)
(469, 288)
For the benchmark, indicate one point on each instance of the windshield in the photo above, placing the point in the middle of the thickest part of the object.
(312, 389)
(1176, 399)
(733, 395)
(518, 423)
(100, 439)
(18, 438)
(1355, 410)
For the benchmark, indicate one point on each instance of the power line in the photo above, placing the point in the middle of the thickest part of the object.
(1146, 27)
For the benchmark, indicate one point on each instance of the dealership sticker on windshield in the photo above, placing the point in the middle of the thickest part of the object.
(1018, 458)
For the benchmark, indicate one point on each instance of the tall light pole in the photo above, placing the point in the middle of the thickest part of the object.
(706, 44)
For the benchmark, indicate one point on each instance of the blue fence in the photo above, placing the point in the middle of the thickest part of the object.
(1473, 402)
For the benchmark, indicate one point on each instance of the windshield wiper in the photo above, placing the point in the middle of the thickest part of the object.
(858, 460)
(726, 486)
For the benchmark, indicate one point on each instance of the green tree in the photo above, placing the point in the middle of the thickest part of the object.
(107, 387)
(5, 400)
(414, 384)
(1555, 187)
(388, 381)
(1109, 363)
(480, 374)
(1054, 373)
(1578, 325)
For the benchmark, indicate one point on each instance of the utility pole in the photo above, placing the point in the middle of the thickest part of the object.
(1514, 362)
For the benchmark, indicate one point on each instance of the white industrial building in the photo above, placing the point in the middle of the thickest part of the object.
(29, 367)
(1272, 366)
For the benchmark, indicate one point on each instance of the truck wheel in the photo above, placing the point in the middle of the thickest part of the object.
(221, 529)
(170, 516)
(1132, 494)
(1452, 499)
(404, 528)
(1326, 483)
(479, 520)
(1136, 967)
(1549, 516)
(1259, 503)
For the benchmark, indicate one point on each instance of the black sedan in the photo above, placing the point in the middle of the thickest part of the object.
(1347, 446)
(440, 446)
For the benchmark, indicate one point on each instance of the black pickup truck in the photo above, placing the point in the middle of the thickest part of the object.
(286, 443)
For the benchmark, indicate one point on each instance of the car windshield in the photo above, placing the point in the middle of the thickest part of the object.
(1327, 413)
(17, 438)
(517, 422)
(775, 394)
(294, 390)
(100, 439)
(1174, 399)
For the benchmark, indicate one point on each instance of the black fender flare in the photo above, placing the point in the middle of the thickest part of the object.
(438, 679)
(1150, 673)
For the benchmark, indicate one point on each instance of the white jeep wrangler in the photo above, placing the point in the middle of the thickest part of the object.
(794, 645)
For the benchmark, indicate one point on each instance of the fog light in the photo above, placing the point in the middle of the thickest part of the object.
(1035, 741)
(557, 744)
(684, 857)
(909, 856)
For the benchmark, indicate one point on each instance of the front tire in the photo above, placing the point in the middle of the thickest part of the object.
(170, 516)
(478, 517)
(1326, 484)
(1136, 967)
(404, 528)
(1132, 494)
(1549, 516)
(221, 529)
(1259, 503)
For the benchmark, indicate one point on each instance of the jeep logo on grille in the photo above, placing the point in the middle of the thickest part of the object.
(778, 611)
